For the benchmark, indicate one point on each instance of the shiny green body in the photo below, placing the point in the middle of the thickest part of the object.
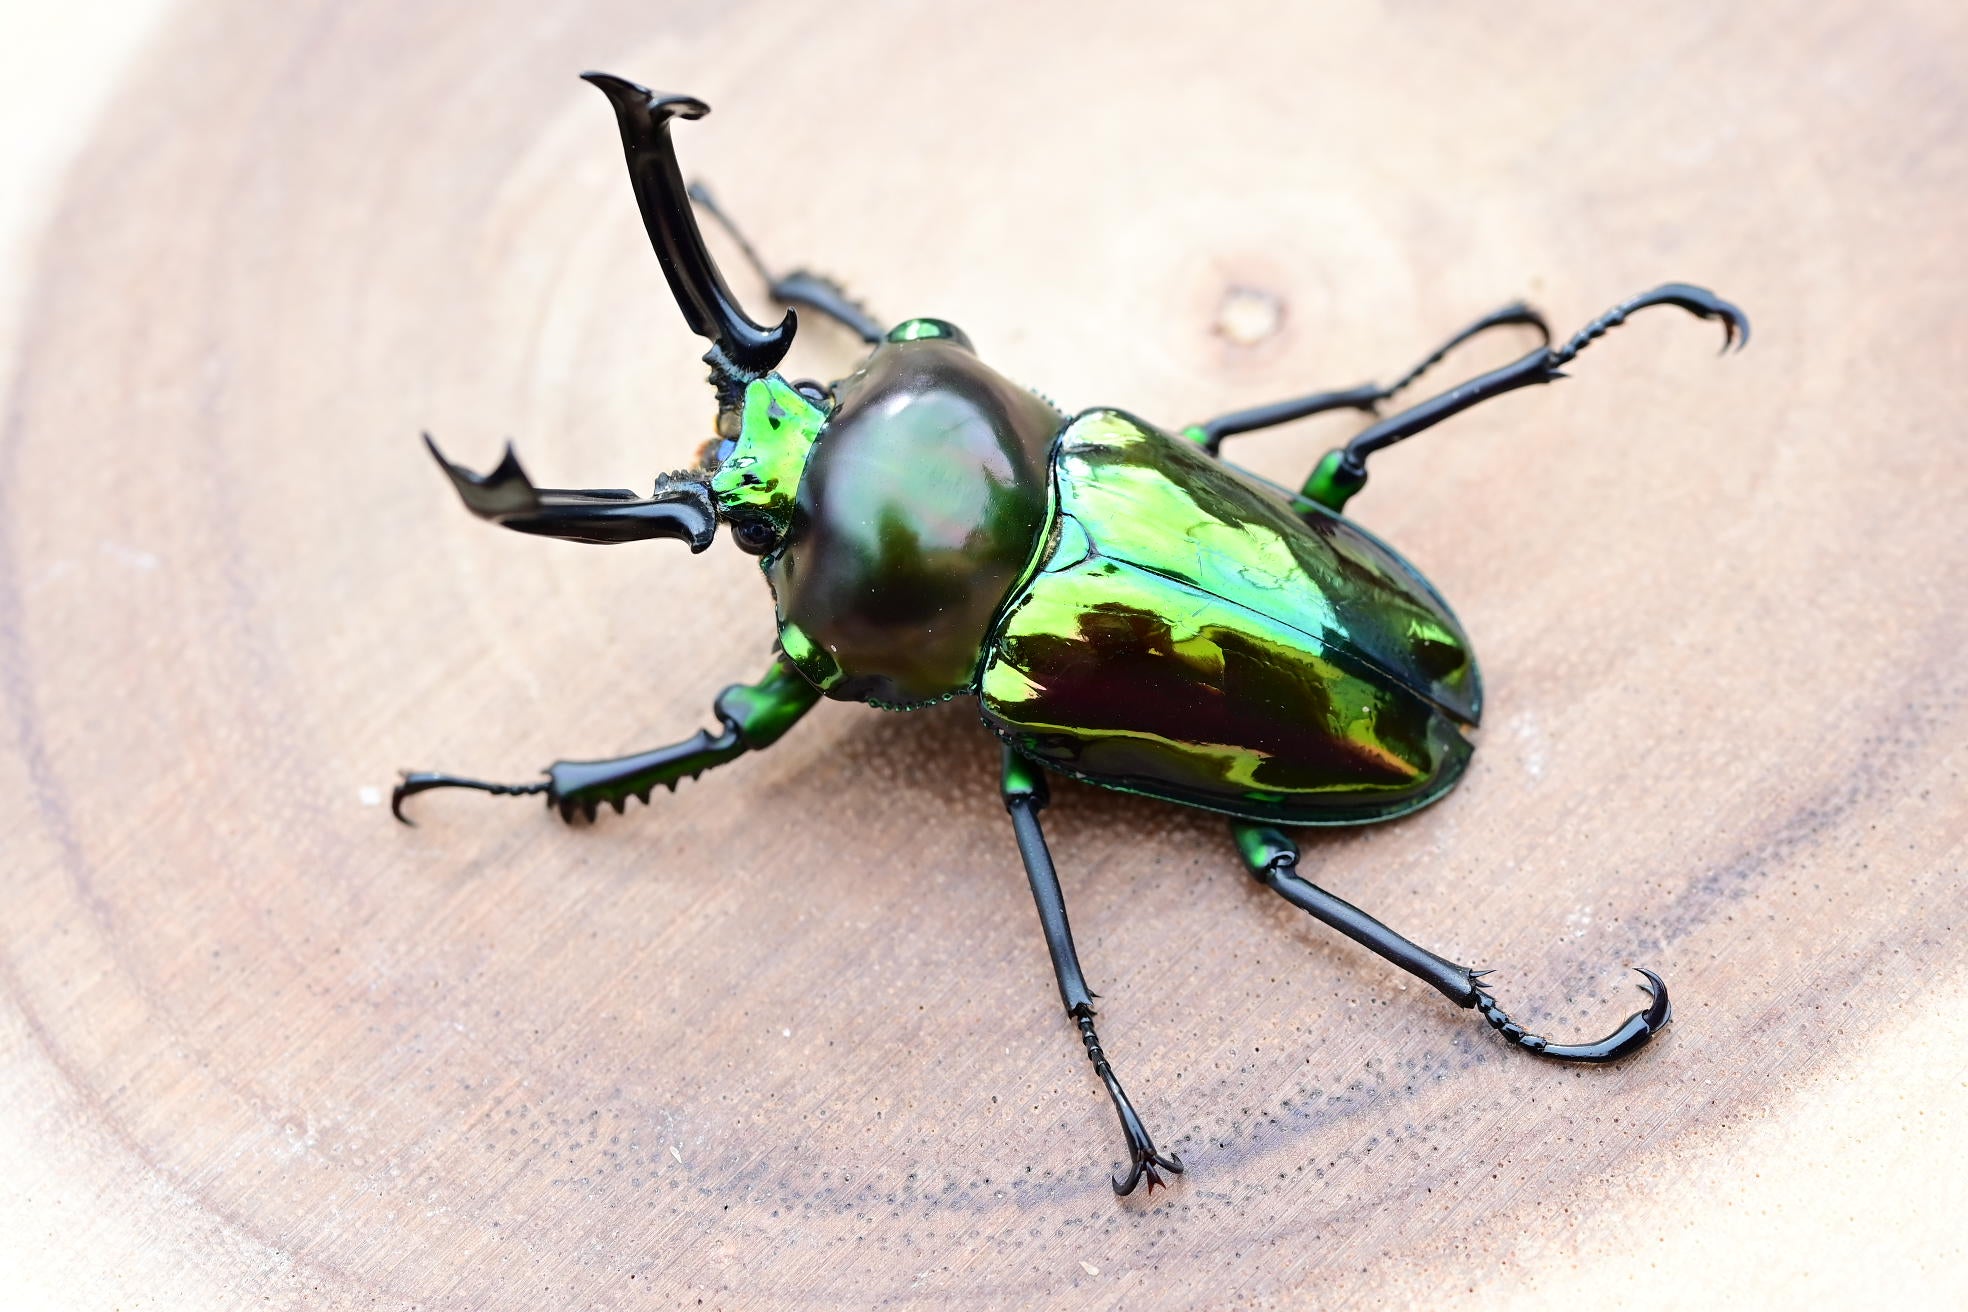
(1127, 609)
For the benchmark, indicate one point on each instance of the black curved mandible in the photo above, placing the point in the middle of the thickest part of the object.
(708, 305)
(680, 507)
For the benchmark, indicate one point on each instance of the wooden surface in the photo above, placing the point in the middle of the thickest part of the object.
(789, 1037)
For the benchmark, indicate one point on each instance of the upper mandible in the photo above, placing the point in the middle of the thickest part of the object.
(708, 306)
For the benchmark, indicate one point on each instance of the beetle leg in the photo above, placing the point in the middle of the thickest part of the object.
(1343, 472)
(1367, 396)
(750, 716)
(1025, 794)
(812, 290)
(1273, 860)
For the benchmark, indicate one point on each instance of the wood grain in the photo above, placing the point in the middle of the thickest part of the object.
(789, 1038)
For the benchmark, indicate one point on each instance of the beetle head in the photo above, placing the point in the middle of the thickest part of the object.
(766, 426)
(756, 472)
(749, 475)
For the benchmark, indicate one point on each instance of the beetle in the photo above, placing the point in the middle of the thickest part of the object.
(1124, 607)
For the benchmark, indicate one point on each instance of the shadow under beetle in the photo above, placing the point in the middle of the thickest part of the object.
(1126, 608)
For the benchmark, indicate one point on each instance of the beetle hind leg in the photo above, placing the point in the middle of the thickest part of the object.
(1342, 472)
(813, 291)
(1025, 794)
(1273, 860)
(1367, 396)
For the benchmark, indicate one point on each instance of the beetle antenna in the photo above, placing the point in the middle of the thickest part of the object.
(740, 347)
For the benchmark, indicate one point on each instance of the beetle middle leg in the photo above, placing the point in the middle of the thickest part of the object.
(815, 291)
(751, 716)
(1025, 794)
(1273, 860)
(1367, 396)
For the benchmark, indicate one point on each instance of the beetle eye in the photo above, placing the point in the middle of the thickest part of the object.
(754, 536)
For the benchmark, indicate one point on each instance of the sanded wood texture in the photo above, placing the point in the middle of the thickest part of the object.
(789, 1037)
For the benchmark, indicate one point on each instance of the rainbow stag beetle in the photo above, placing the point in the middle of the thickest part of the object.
(1124, 607)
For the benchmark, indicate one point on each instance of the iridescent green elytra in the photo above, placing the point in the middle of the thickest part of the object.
(1124, 607)
(1192, 633)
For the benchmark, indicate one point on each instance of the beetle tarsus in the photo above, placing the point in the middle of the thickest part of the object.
(1698, 301)
(1633, 1034)
(750, 716)
(1143, 1158)
(1515, 314)
(1025, 793)
(1146, 1160)
(422, 781)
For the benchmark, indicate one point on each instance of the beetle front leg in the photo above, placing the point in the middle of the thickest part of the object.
(1273, 860)
(750, 716)
(1025, 794)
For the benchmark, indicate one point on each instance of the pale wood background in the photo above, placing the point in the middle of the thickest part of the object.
(789, 1038)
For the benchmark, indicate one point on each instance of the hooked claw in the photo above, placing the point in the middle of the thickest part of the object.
(1698, 301)
(1629, 1038)
(422, 781)
(1146, 1159)
(1707, 305)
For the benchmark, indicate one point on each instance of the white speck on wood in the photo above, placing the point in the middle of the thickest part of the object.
(1531, 744)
